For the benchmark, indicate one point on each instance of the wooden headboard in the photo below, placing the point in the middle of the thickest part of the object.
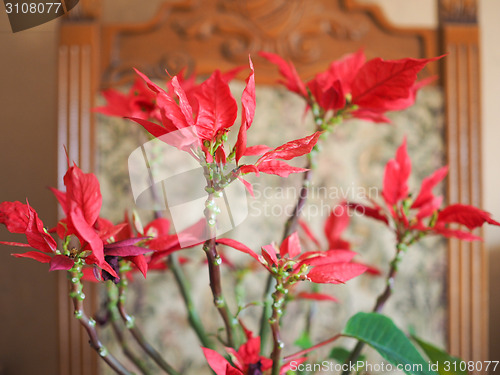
(220, 34)
(209, 34)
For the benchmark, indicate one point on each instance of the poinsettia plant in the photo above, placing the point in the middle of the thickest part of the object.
(198, 119)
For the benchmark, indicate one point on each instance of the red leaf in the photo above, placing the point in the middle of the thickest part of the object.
(175, 115)
(269, 254)
(404, 103)
(327, 95)
(279, 168)
(309, 233)
(292, 149)
(18, 244)
(217, 362)
(379, 83)
(138, 102)
(327, 257)
(290, 247)
(372, 212)
(397, 172)
(152, 128)
(429, 208)
(40, 257)
(61, 198)
(248, 111)
(288, 71)
(467, 215)
(238, 246)
(125, 248)
(335, 273)
(248, 186)
(61, 262)
(141, 263)
(14, 215)
(256, 150)
(425, 196)
(83, 191)
(106, 230)
(118, 104)
(377, 117)
(157, 227)
(164, 243)
(88, 234)
(452, 233)
(244, 169)
(374, 271)
(346, 69)
(153, 86)
(316, 296)
(217, 108)
(36, 235)
(336, 224)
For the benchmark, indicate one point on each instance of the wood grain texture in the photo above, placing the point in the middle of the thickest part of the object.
(78, 48)
(220, 34)
(468, 332)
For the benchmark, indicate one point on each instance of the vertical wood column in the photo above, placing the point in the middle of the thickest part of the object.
(467, 281)
(77, 85)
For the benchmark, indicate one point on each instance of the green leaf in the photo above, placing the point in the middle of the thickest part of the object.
(381, 333)
(445, 363)
(340, 354)
(304, 341)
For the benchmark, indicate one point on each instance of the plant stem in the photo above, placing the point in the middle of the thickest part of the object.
(136, 333)
(380, 303)
(214, 262)
(76, 294)
(215, 187)
(126, 349)
(119, 333)
(308, 350)
(173, 260)
(193, 317)
(290, 227)
(293, 220)
(274, 322)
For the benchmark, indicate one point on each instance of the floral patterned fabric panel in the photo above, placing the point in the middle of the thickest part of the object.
(350, 167)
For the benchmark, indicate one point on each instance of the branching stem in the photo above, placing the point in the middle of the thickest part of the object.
(136, 333)
(89, 324)
(381, 301)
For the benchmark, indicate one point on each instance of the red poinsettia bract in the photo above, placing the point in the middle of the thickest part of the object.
(96, 236)
(421, 215)
(199, 124)
(335, 226)
(324, 267)
(366, 89)
(247, 359)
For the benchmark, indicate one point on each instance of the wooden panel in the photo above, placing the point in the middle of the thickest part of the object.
(76, 93)
(468, 306)
(219, 34)
(210, 34)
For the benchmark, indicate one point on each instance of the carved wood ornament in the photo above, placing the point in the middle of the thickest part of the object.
(220, 34)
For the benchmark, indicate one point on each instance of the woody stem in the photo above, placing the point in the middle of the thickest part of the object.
(193, 317)
(214, 261)
(179, 276)
(76, 293)
(380, 303)
(135, 331)
(277, 311)
(290, 227)
(118, 330)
